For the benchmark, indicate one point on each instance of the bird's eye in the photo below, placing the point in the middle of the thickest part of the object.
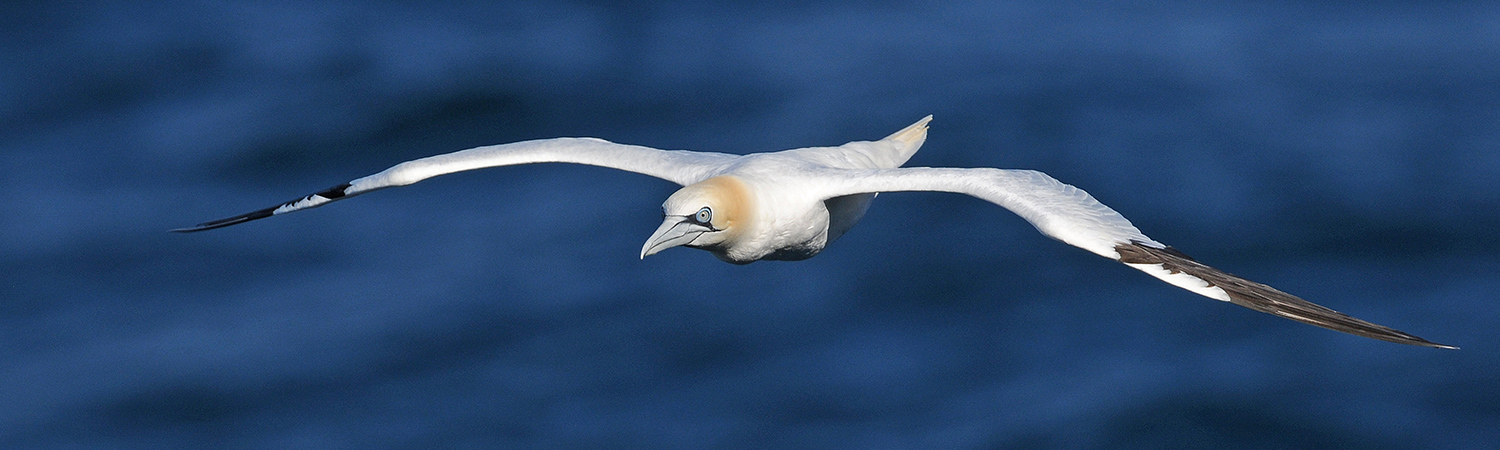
(704, 215)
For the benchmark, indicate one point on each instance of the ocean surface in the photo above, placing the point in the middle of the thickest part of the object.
(1346, 152)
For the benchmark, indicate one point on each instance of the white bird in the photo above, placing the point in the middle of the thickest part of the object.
(790, 205)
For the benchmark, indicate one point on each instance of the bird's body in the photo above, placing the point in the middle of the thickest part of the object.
(790, 205)
(789, 217)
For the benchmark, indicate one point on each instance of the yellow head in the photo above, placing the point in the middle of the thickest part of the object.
(708, 214)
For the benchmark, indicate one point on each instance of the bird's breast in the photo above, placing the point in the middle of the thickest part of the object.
(790, 236)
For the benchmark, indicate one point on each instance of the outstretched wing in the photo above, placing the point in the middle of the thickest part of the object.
(678, 166)
(1071, 215)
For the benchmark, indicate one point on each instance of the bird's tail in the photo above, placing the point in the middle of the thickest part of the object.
(908, 140)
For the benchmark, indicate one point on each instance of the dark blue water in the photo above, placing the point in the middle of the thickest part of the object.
(1347, 152)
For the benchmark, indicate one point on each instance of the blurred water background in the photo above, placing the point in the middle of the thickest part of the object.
(1342, 151)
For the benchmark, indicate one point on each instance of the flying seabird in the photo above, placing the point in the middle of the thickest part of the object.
(790, 205)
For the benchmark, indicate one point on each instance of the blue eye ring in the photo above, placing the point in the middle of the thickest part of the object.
(704, 216)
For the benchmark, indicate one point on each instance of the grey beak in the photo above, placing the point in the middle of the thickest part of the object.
(674, 231)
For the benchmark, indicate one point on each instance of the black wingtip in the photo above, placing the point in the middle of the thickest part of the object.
(326, 195)
(221, 223)
(1264, 298)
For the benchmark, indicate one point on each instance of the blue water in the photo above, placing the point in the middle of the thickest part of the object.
(1347, 152)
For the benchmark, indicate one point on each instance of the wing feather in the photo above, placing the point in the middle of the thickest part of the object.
(1071, 215)
(1057, 210)
(678, 166)
(1261, 297)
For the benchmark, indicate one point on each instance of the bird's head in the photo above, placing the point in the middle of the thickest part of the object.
(709, 214)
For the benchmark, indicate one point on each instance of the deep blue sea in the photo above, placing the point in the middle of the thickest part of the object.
(1346, 152)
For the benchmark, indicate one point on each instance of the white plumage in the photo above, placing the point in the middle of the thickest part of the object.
(790, 205)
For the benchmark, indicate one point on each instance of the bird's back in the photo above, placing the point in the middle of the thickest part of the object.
(888, 153)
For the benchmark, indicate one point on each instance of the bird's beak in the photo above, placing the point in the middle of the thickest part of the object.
(674, 231)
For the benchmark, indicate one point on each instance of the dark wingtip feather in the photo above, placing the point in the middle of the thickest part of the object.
(221, 223)
(330, 194)
(1264, 298)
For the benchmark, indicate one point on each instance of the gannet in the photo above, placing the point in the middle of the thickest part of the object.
(790, 205)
